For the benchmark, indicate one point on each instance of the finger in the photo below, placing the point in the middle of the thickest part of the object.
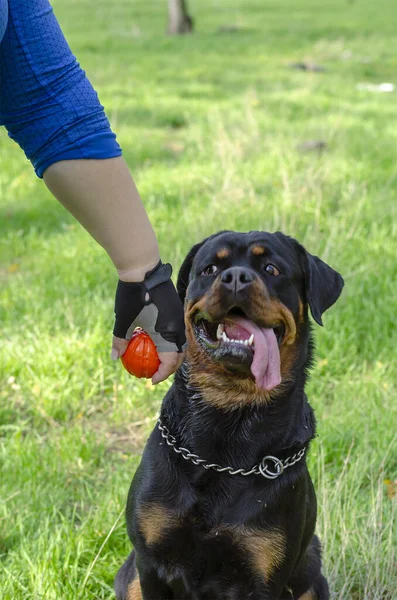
(119, 346)
(168, 365)
(167, 368)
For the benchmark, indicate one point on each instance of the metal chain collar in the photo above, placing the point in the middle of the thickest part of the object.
(261, 469)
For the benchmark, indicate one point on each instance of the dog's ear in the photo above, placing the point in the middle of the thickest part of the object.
(323, 285)
(184, 271)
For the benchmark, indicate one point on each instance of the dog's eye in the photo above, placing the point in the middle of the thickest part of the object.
(272, 270)
(210, 270)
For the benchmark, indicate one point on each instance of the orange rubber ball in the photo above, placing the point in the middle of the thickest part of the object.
(141, 358)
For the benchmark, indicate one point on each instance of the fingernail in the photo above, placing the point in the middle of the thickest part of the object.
(114, 354)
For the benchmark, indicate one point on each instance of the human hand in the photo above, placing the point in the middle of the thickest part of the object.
(154, 305)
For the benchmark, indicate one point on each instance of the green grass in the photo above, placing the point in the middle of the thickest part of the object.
(209, 125)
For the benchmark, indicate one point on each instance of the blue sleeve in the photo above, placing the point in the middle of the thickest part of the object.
(47, 103)
(3, 18)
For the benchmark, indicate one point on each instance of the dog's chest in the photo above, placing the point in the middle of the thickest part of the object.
(196, 551)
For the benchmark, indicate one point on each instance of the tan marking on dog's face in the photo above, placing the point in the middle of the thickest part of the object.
(263, 310)
(223, 253)
(228, 392)
(211, 378)
(134, 591)
(301, 314)
(258, 250)
(307, 596)
(154, 520)
(266, 549)
(214, 381)
(267, 311)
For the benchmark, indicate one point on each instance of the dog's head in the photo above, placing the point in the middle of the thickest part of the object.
(246, 301)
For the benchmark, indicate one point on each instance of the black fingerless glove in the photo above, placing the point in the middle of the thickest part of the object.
(154, 305)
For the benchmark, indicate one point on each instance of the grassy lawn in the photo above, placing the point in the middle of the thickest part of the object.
(210, 125)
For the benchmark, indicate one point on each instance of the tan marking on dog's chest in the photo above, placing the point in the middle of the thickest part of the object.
(307, 596)
(154, 520)
(266, 549)
(134, 591)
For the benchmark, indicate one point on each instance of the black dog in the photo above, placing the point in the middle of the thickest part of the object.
(222, 506)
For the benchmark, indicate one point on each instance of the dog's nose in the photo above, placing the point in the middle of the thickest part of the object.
(236, 279)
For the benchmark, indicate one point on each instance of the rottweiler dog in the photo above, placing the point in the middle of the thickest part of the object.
(222, 506)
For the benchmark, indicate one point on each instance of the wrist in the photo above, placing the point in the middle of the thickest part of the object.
(138, 273)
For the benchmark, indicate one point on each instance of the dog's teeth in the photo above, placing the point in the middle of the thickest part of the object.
(251, 340)
(224, 337)
(245, 342)
(219, 331)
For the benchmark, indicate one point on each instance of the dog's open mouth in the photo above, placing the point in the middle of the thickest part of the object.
(243, 346)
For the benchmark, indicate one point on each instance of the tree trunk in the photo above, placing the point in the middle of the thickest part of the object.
(179, 21)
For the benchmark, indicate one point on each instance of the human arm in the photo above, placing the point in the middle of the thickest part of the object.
(102, 196)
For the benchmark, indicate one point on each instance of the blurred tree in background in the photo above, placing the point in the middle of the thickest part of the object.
(179, 20)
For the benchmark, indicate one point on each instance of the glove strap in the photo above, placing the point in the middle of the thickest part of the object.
(160, 274)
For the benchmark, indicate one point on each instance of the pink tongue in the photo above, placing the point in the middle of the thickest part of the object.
(266, 363)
